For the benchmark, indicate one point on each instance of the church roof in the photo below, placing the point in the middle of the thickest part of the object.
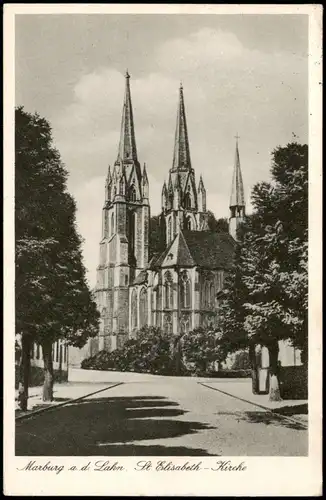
(206, 249)
(140, 278)
(237, 191)
(210, 249)
(181, 156)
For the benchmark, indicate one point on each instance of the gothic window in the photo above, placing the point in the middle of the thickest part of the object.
(211, 295)
(132, 236)
(106, 224)
(134, 309)
(143, 308)
(169, 229)
(233, 211)
(132, 193)
(185, 292)
(168, 291)
(187, 201)
(37, 351)
(121, 187)
(105, 320)
(185, 325)
(112, 223)
(206, 293)
(188, 224)
(220, 280)
(167, 324)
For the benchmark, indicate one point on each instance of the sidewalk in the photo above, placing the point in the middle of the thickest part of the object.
(242, 389)
(63, 393)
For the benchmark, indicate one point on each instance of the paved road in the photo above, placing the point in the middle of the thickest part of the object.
(160, 417)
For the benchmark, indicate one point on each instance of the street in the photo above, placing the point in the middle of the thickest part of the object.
(163, 416)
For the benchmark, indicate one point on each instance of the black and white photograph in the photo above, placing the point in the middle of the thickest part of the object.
(162, 240)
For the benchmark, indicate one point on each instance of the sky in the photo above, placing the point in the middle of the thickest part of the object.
(243, 75)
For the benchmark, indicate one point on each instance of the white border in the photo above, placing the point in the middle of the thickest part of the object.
(264, 475)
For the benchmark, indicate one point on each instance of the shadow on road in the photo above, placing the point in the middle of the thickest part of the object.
(293, 410)
(264, 417)
(107, 427)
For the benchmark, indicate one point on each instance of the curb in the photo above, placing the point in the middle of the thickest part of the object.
(54, 407)
(278, 415)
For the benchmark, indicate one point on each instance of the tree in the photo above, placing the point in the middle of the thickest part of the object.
(217, 225)
(273, 286)
(200, 347)
(53, 300)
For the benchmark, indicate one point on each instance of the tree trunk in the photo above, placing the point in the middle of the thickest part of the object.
(24, 372)
(254, 370)
(274, 388)
(48, 372)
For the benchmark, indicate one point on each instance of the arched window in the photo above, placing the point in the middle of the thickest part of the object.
(112, 223)
(167, 323)
(169, 229)
(154, 306)
(143, 308)
(168, 291)
(185, 292)
(211, 295)
(187, 200)
(188, 224)
(206, 293)
(132, 193)
(185, 326)
(134, 309)
(131, 237)
(106, 224)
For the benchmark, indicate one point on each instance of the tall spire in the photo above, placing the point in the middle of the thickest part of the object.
(181, 156)
(237, 192)
(127, 146)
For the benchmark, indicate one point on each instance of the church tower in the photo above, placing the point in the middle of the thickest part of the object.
(237, 201)
(183, 205)
(125, 225)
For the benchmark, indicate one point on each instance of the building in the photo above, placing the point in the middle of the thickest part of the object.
(179, 289)
(176, 290)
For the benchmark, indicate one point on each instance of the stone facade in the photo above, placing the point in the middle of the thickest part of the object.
(179, 289)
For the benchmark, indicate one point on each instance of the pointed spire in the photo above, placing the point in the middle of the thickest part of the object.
(237, 192)
(164, 189)
(144, 176)
(181, 156)
(201, 186)
(127, 147)
(109, 178)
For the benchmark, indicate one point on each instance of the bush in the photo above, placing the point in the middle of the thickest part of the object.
(37, 376)
(241, 361)
(150, 352)
(199, 349)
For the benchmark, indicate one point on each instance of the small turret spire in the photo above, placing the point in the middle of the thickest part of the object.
(237, 191)
(181, 156)
(127, 146)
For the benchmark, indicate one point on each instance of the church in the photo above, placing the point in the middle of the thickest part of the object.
(176, 290)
